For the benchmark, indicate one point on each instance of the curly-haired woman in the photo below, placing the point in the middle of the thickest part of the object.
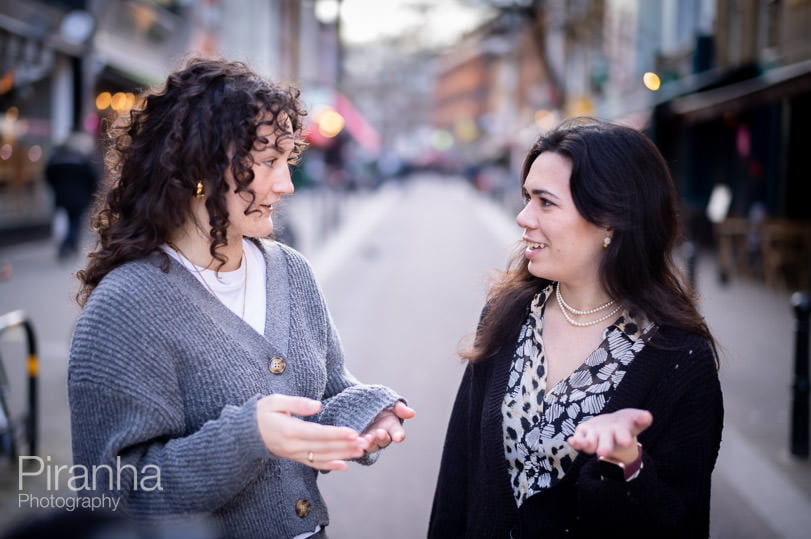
(206, 377)
(591, 405)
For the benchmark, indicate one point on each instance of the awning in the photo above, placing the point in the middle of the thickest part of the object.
(772, 85)
(356, 124)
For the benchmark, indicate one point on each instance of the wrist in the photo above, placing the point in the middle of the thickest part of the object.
(613, 468)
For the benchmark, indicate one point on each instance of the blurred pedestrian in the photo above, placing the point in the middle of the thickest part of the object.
(590, 406)
(71, 173)
(205, 364)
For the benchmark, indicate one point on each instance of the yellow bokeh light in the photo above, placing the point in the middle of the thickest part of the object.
(103, 100)
(119, 101)
(330, 123)
(545, 119)
(651, 81)
(466, 129)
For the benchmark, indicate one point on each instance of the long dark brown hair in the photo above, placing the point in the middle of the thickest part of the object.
(619, 181)
(200, 123)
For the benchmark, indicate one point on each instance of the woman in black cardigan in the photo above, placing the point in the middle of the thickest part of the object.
(591, 405)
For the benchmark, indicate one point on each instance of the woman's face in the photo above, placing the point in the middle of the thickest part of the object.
(271, 181)
(561, 245)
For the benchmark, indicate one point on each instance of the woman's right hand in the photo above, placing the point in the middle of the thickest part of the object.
(322, 447)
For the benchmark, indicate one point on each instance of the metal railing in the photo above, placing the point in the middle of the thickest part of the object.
(10, 439)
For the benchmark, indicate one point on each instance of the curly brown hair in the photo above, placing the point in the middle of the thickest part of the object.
(202, 122)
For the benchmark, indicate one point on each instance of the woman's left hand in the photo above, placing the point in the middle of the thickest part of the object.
(387, 427)
(612, 435)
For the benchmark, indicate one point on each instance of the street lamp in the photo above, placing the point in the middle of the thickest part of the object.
(327, 11)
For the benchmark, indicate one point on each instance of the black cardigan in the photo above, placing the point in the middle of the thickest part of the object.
(674, 377)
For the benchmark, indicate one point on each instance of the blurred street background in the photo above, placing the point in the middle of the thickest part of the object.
(420, 115)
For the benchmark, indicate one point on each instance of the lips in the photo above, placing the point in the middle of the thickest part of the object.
(533, 248)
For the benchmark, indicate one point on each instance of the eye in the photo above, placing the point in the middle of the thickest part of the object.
(545, 202)
(270, 162)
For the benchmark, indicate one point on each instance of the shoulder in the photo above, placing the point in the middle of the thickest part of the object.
(133, 308)
(298, 267)
(680, 342)
(680, 359)
(134, 284)
(274, 251)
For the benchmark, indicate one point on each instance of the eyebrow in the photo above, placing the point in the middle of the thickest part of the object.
(541, 192)
(283, 147)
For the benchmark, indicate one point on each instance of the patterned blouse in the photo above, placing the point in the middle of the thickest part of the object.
(537, 424)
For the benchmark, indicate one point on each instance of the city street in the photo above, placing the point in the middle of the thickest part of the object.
(405, 272)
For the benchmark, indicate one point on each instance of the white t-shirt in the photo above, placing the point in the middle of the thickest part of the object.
(248, 301)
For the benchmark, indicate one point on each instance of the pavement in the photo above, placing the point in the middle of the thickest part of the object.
(760, 490)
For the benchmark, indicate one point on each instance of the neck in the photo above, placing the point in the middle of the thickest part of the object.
(584, 297)
(195, 246)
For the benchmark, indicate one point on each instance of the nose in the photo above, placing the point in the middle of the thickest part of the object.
(525, 218)
(284, 184)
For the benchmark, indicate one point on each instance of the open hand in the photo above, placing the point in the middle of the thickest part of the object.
(387, 427)
(612, 435)
(322, 447)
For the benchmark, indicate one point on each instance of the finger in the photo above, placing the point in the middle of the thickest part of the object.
(378, 438)
(586, 441)
(288, 404)
(397, 433)
(590, 440)
(403, 411)
(323, 454)
(642, 421)
(328, 465)
(316, 433)
(286, 435)
(624, 438)
(605, 443)
(391, 425)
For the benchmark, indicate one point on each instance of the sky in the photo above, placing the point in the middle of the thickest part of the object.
(440, 21)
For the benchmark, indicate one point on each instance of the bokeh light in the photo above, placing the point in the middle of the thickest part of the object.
(651, 81)
(330, 123)
(35, 153)
(103, 100)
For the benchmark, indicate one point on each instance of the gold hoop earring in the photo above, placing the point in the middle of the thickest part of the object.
(199, 190)
(606, 242)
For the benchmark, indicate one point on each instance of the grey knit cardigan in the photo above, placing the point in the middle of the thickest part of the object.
(163, 376)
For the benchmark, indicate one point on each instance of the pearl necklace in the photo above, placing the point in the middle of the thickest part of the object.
(203, 279)
(565, 309)
(572, 310)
